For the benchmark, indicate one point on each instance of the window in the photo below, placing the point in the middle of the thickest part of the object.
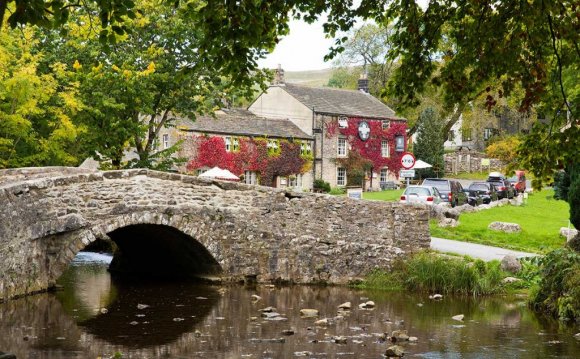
(488, 133)
(235, 144)
(450, 136)
(386, 124)
(305, 148)
(228, 141)
(166, 141)
(250, 177)
(466, 134)
(341, 176)
(385, 148)
(384, 175)
(341, 147)
(295, 181)
(342, 122)
(273, 146)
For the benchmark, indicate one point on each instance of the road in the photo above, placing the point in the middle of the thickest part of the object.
(487, 253)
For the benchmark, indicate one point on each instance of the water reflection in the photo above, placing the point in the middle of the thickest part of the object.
(96, 316)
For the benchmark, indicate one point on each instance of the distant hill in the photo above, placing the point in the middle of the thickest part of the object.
(314, 78)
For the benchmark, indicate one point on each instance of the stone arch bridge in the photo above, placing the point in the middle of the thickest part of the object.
(171, 224)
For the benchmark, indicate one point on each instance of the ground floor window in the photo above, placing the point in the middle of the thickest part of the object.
(384, 175)
(295, 181)
(341, 176)
(250, 177)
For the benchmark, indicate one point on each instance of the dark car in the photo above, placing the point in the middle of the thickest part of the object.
(502, 186)
(451, 191)
(485, 190)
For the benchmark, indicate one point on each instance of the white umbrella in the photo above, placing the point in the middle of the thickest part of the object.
(221, 174)
(420, 165)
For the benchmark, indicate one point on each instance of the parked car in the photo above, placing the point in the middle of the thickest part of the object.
(485, 190)
(502, 185)
(421, 194)
(451, 191)
(519, 181)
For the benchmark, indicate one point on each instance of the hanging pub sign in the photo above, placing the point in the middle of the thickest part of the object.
(399, 143)
(364, 130)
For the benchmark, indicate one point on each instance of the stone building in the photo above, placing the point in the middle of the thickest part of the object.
(341, 122)
(329, 125)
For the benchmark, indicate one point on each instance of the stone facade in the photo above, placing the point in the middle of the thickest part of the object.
(470, 161)
(229, 231)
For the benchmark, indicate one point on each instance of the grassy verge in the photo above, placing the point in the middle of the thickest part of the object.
(540, 218)
(433, 273)
(387, 195)
(468, 176)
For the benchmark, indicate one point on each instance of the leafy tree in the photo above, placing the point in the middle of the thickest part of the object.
(429, 144)
(142, 85)
(356, 167)
(504, 148)
(344, 78)
(36, 109)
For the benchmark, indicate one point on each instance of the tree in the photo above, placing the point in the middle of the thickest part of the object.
(429, 144)
(142, 85)
(36, 109)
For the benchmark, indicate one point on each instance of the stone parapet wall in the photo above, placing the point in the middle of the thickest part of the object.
(470, 161)
(252, 232)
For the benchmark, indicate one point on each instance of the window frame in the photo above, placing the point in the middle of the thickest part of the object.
(386, 149)
(384, 174)
(344, 147)
(165, 141)
(340, 170)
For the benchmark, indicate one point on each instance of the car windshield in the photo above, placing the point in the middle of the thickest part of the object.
(478, 187)
(420, 191)
(440, 185)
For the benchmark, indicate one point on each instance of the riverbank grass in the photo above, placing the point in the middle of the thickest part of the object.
(540, 218)
(434, 273)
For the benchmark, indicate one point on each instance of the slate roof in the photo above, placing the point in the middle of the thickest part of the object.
(242, 122)
(339, 102)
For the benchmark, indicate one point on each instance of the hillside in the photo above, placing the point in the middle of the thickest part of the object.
(314, 78)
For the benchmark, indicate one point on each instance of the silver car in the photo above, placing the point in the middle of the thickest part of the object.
(421, 194)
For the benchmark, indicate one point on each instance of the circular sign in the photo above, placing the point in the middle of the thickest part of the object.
(408, 160)
(364, 130)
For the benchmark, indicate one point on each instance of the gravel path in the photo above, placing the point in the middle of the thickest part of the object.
(487, 253)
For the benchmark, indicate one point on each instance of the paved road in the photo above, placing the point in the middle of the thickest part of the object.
(487, 253)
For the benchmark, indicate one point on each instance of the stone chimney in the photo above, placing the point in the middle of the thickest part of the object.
(278, 76)
(363, 83)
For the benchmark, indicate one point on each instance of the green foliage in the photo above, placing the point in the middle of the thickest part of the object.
(36, 109)
(433, 273)
(558, 291)
(321, 186)
(574, 195)
(337, 191)
(356, 166)
(504, 148)
(561, 185)
(429, 144)
(344, 78)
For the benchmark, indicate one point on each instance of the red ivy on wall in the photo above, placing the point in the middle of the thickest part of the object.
(371, 148)
(252, 155)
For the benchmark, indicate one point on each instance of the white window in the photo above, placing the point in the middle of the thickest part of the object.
(235, 144)
(385, 148)
(166, 141)
(341, 176)
(488, 133)
(295, 181)
(272, 146)
(343, 122)
(341, 147)
(228, 141)
(384, 175)
(305, 148)
(386, 124)
(250, 177)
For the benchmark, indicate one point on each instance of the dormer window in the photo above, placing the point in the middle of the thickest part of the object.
(386, 124)
(343, 122)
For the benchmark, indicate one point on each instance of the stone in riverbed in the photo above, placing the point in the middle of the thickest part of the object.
(458, 317)
(399, 336)
(367, 305)
(322, 322)
(345, 306)
(288, 332)
(268, 310)
(395, 351)
(339, 340)
(308, 313)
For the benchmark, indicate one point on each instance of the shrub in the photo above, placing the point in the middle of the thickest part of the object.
(321, 186)
(337, 190)
(558, 292)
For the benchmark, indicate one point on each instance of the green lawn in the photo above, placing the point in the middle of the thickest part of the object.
(468, 176)
(387, 195)
(540, 218)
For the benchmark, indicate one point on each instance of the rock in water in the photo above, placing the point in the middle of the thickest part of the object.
(395, 351)
(309, 313)
(458, 317)
(345, 306)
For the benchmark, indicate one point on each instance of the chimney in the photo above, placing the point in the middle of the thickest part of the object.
(363, 83)
(278, 76)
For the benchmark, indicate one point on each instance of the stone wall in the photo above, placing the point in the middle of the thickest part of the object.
(250, 232)
(470, 161)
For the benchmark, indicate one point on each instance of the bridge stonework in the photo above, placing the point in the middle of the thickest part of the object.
(170, 222)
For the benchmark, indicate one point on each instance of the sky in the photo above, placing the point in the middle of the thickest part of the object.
(303, 49)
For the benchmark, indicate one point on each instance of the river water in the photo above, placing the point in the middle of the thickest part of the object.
(96, 316)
